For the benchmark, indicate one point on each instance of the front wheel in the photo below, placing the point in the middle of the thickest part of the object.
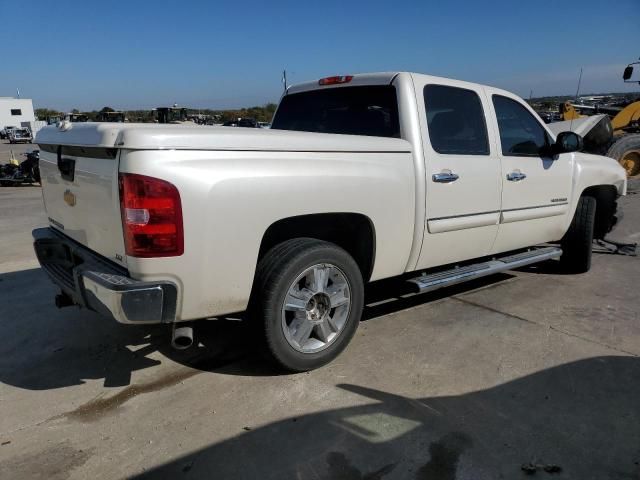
(576, 243)
(308, 299)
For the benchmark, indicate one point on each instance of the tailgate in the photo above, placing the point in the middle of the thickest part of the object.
(80, 193)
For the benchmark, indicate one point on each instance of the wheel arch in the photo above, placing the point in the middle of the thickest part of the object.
(354, 232)
(606, 205)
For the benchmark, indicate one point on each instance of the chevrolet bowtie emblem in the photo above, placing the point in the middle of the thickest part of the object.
(69, 198)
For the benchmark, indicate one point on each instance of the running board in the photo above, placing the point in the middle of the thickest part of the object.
(434, 281)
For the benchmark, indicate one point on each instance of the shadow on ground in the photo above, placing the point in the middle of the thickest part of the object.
(47, 348)
(582, 417)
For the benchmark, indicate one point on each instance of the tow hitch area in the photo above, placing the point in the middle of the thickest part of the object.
(63, 300)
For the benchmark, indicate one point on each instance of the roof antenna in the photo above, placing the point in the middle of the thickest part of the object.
(576, 99)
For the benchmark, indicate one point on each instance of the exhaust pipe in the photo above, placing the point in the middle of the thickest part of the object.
(181, 337)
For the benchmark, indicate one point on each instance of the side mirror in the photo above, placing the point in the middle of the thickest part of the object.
(627, 73)
(567, 142)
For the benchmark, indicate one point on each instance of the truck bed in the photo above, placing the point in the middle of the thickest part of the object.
(144, 136)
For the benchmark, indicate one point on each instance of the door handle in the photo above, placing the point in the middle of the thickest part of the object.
(445, 177)
(516, 176)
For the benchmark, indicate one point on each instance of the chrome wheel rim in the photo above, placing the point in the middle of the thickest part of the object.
(316, 308)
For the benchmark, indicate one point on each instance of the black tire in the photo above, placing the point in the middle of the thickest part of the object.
(275, 274)
(626, 150)
(577, 242)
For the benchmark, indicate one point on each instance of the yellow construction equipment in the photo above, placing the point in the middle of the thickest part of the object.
(627, 119)
(623, 144)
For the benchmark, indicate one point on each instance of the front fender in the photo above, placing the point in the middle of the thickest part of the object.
(594, 170)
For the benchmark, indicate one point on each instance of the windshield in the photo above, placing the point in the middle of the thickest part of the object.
(365, 110)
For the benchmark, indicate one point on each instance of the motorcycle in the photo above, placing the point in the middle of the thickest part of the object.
(28, 171)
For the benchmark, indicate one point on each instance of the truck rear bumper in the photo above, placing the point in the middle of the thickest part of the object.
(99, 285)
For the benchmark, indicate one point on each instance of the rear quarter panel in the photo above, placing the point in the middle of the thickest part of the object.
(229, 199)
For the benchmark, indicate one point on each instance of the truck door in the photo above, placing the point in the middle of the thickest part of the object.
(536, 185)
(462, 172)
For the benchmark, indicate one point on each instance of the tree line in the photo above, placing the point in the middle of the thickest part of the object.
(262, 113)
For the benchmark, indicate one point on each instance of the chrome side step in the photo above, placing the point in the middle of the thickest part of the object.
(434, 281)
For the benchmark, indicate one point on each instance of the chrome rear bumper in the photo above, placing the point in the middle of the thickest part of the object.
(98, 284)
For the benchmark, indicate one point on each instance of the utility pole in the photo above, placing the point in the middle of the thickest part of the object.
(579, 81)
(284, 79)
(576, 99)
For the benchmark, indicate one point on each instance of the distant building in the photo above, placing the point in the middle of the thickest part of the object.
(16, 112)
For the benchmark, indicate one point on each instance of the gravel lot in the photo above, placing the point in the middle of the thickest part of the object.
(529, 367)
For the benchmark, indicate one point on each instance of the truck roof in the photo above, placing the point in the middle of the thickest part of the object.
(382, 78)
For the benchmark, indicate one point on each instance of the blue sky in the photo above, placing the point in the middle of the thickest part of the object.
(214, 54)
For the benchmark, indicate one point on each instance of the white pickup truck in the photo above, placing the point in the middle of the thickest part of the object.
(360, 178)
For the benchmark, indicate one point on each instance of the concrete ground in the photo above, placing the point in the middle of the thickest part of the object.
(530, 367)
(18, 149)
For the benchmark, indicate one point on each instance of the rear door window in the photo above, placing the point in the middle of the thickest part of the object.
(364, 110)
(455, 120)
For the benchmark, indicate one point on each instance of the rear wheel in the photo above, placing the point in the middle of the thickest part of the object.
(626, 150)
(308, 300)
(576, 243)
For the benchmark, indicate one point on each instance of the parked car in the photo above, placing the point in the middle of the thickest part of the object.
(360, 178)
(20, 135)
(4, 133)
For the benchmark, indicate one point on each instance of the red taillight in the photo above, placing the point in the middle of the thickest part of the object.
(335, 80)
(151, 217)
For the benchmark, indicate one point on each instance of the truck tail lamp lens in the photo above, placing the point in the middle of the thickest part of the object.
(335, 80)
(151, 217)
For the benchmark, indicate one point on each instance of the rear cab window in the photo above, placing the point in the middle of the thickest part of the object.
(455, 121)
(370, 110)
